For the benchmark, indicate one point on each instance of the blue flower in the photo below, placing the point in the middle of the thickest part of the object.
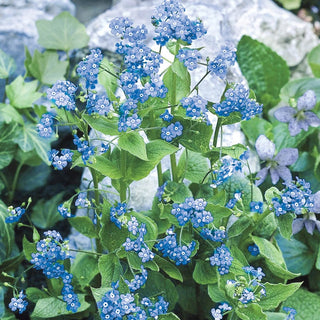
(18, 303)
(222, 259)
(15, 214)
(172, 131)
(291, 313)
(256, 206)
(254, 250)
(63, 95)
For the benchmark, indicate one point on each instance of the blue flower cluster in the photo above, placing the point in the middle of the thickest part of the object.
(82, 200)
(232, 202)
(104, 148)
(196, 107)
(84, 148)
(254, 250)
(296, 197)
(217, 313)
(49, 251)
(138, 245)
(256, 206)
(171, 22)
(218, 235)
(189, 57)
(291, 313)
(226, 58)
(65, 211)
(116, 212)
(172, 131)
(160, 192)
(89, 68)
(192, 209)
(170, 248)
(45, 129)
(228, 167)
(222, 259)
(63, 95)
(138, 281)
(15, 214)
(237, 99)
(60, 162)
(98, 104)
(19, 303)
(116, 306)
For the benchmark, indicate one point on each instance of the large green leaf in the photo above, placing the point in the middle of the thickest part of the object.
(53, 307)
(84, 225)
(107, 78)
(7, 65)
(264, 69)
(110, 269)
(250, 312)
(45, 214)
(204, 273)
(134, 144)
(64, 32)
(47, 68)
(84, 268)
(102, 124)
(105, 167)
(290, 4)
(6, 233)
(314, 61)
(29, 139)
(168, 316)
(7, 147)
(22, 94)
(254, 127)
(9, 114)
(169, 268)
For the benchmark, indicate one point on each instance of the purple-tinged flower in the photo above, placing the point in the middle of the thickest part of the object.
(277, 164)
(300, 118)
(15, 214)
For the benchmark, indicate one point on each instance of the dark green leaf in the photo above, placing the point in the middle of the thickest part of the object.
(204, 273)
(239, 226)
(84, 225)
(285, 224)
(169, 268)
(22, 94)
(264, 69)
(134, 144)
(177, 192)
(109, 268)
(7, 148)
(34, 294)
(2, 306)
(305, 162)
(64, 32)
(168, 316)
(84, 268)
(7, 65)
(255, 127)
(47, 68)
(6, 233)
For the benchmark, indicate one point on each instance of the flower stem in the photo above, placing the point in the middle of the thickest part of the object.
(174, 167)
(160, 177)
(123, 186)
(216, 132)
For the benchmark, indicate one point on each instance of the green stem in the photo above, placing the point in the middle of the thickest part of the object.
(14, 182)
(29, 116)
(86, 251)
(216, 132)
(196, 86)
(4, 94)
(68, 66)
(123, 186)
(174, 167)
(4, 179)
(160, 177)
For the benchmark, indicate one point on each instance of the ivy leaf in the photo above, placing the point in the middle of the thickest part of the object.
(134, 144)
(64, 32)
(9, 114)
(7, 148)
(47, 68)
(264, 69)
(22, 94)
(7, 65)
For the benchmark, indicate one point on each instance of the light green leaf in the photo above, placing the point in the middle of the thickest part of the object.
(168, 316)
(169, 268)
(107, 79)
(22, 94)
(34, 294)
(134, 144)
(6, 233)
(105, 167)
(29, 139)
(177, 192)
(52, 307)
(215, 294)
(234, 151)
(285, 224)
(84, 225)
(45, 214)
(47, 68)
(276, 316)
(157, 149)
(250, 312)
(7, 65)
(314, 61)
(9, 114)
(264, 69)
(84, 268)
(110, 269)
(102, 124)
(28, 248)
(255, 127)
(276, 293)
(7, 147)
(290, 4)
(64, 32)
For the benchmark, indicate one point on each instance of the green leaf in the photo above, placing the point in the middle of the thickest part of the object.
(271, 193)
(110, 269)
(218, 212)
(314, 61)
(64, 32)
(105, 167)
(215, 294)
(7, 65)
(107, 79)
(84, 268)
(34, 294)
(250, 312)
(28, 248)
(22, 94)
(239, 226)
(274, 258)
(285, 224)
(177, 78)
(157, 149)
(177, 192)
(305, 162)
(169, 268)
(7, 147)
(234, 151)
(276, 293)
(298, 257)
(168, 316)
(6, 233)
(98, 293)
(290, 4)
(306, 304)
(2, 306)
(264, 69)
(9, 114)
(84, 225)
(255, 127)
(193, 166)
(134, 144)
(204, 273)
(276, 316)
(47, 68)
(29, 139)
(102, 124)
(12, 263)
(53, 307)
(45, 214)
